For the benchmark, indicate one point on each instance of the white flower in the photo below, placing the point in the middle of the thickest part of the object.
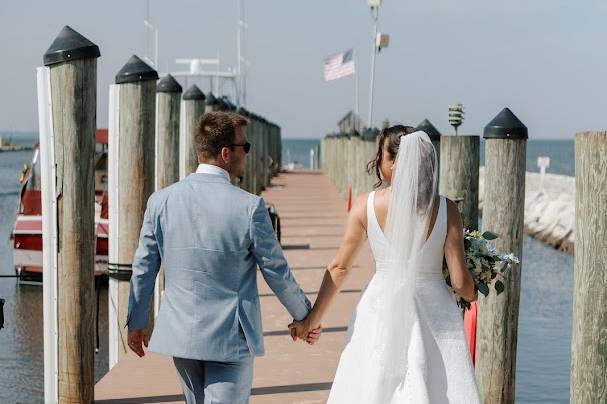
(511, 258)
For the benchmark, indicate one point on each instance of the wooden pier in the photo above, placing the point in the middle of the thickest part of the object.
(313, 216)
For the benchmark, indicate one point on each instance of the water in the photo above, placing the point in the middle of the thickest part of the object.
(544, 323)
(297, 151)
(561, 153)
(21, 341)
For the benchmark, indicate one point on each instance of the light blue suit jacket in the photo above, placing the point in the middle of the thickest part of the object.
(210, 236)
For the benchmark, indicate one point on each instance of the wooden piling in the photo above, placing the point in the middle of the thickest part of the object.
(503, 210)
(459, 165)
(247, 180)
(369, 152)
(435, 137)
(589, 336)
(168, 94)
(193, 106)
(72, 60)
(131, 175)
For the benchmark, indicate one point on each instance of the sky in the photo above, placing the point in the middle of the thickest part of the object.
(544, 59)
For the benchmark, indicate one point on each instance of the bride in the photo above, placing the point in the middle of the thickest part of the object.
(406, 339)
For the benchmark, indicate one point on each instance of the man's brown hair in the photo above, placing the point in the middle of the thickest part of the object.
(216, 130)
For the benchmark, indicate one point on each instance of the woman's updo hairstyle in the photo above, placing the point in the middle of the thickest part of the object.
(391, 138)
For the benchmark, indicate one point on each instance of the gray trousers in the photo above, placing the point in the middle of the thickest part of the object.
(209, 382)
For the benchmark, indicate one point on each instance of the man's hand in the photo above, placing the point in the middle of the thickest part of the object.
(138, 339)
(303, 330)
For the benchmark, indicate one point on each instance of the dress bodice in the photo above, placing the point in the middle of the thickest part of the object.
(431, 258)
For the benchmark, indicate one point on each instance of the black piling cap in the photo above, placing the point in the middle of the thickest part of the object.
(193, 93)
(70, 45)
(430, 130)
(211, 100)
(228, 104)
(243, 111)
(135, 70)
(168, 84)
(505, 126)
(223, 105)
(370, 134)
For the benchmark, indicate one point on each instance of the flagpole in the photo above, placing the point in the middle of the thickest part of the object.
(375, 11)
(355, 85)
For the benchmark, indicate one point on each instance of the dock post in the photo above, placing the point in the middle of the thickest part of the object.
(247, 180)
(342, 144)
(370, 139)
(588, 339)
(67, 88)
(503, 211)
(131, 170)
(257, 155)
(459, 166)
(349, 163)
(192, 106)
(435, 137)
(168, 93)
(266, 151)
(278, 130)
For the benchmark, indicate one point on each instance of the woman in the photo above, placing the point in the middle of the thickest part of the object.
(406, 341)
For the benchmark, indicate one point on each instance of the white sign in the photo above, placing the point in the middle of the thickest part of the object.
(543, 162)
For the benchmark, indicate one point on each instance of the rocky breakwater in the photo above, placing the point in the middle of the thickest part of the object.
(549, 209)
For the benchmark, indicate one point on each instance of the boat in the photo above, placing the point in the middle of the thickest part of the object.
(7, 145)
(26, 235)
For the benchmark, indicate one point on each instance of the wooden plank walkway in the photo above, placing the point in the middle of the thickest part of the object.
(312, 212)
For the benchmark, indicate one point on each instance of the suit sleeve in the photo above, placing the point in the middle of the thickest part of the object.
(273, 265)
(146, 265)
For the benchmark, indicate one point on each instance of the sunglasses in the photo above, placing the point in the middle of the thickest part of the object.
(246, 147)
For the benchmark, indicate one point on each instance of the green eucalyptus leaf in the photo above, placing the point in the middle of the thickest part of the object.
(499, 287)
(484, 289)
(489, 236)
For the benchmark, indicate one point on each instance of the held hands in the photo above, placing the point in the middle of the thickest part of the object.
(304, 331)
(138, 339)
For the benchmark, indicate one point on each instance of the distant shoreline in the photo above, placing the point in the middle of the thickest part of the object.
(15, 148)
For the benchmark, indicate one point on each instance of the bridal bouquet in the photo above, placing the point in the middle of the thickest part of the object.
(486, 266)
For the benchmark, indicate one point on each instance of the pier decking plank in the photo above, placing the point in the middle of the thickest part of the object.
(312, 213)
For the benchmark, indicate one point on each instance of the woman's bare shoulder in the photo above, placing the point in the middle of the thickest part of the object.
(360, 204)
(453, 215)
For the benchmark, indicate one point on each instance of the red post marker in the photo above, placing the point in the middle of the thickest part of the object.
(349, 202)
(470, 329)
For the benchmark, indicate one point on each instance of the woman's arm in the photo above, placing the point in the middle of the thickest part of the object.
(461, 281)
(337, 270)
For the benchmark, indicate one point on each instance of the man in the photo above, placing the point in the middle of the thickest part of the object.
(210, 235)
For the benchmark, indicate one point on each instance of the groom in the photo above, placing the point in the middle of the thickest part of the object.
(210, 236)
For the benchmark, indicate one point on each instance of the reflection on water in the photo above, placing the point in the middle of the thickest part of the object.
(544, 325)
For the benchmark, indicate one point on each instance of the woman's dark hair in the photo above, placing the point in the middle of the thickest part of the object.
(391, 138)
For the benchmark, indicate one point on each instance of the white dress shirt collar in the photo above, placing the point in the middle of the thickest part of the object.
(213, 170)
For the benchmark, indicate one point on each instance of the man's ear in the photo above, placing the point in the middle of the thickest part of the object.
(225, 154)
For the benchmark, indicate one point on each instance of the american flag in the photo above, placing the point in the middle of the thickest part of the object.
(339, 65)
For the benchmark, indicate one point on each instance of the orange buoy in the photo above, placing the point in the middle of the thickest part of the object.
(470, 329)
(349, 202)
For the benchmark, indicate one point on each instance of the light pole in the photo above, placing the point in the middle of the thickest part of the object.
(241, 99)
(379, 41)
(148, 25)
(374, 4)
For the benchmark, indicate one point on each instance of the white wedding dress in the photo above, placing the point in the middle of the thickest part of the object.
(439, 368)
